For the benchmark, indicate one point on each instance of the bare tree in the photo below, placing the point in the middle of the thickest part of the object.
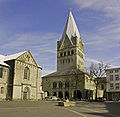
(97, 71)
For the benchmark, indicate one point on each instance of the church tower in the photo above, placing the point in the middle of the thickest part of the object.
(70, 48)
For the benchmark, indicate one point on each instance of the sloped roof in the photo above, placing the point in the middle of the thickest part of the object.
(13, 56)
(70, 28)
(64, 73)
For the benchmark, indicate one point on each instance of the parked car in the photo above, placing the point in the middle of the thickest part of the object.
(52, 98)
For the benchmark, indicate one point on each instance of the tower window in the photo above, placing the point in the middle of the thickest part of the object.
(64, 53)
(61, 54)
(72, 52)
(68, 52)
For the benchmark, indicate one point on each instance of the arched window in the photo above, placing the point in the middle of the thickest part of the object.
(72, 52)
(64, 53)
(54, 85)
(1, 70)
(61, 54)
(66, 85)
(2, 90)
(102, 86)
(68, 53)
(26, 73)
(60, 84)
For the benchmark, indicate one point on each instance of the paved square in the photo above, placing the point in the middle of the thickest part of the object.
(50, 109)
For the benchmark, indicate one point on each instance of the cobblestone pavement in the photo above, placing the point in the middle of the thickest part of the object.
(50, 109)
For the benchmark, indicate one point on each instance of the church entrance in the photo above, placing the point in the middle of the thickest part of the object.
(66, 95)
(26, 94)
(77, 95)
(60, 94)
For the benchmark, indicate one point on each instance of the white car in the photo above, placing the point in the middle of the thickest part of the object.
(52, 98)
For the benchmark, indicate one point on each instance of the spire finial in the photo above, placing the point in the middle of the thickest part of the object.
(70, 9)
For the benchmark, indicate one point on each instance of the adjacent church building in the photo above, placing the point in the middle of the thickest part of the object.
(70, 80)
(20, 77)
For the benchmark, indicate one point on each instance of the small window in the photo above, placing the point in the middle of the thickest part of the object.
(61, 54)
(66, 85)
(64, 53)
(111, 77)
(116, 77)
(102, 86)
(60, 85)
(72, 52)
(111, 86)
(68, 53)
(1, 72)
(54, 85)
(2, 90)
(117, 85)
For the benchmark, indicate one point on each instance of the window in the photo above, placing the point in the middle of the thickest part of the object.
(111, 71)
(66, 85)
(72, 52)
(54, 85)
(61, 54)
(1, 71)
(68, 52)
(60, 84)
(26, 73)
(68, 60)
(117, 85)
(116, 77)
(116, 71)
(2, 90)
(111, 77)
(64, 53)
(102, 86)
(111, 86)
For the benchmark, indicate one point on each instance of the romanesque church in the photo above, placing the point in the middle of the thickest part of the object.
(20, 77)
(70, 80)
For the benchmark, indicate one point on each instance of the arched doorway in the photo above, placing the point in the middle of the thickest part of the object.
(60, 94)
(54, 94)
(77, 94)
(26, 93)
(66, 95)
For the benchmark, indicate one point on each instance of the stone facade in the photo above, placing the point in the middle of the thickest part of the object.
(4, 75)
(70, 80)
(24, 77)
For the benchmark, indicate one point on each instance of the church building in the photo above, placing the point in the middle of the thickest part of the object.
(20, 77)
(70, 80)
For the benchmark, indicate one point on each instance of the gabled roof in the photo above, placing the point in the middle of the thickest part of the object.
(65, 73)
(3, 59)
(70, 29)
(13, 56)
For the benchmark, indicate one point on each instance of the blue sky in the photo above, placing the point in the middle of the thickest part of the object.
(35, 25)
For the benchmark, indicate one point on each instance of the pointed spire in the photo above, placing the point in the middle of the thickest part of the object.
(71, 28)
